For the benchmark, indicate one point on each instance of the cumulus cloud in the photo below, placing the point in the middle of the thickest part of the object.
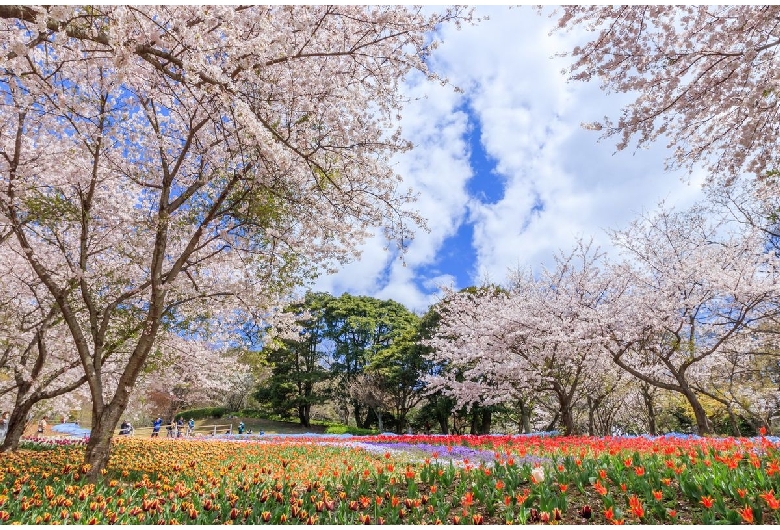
(559, 182)
(437, 169)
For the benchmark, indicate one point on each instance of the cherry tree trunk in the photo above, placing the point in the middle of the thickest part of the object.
(525, 418)
(649, 403)
(487, 421)
(703, 425)
(592, 405)
(16, 424)
(733, 423)
(99, 444)
(567, 419)
(444, 423)
(567, 416)
(474, 424)
(553, 422)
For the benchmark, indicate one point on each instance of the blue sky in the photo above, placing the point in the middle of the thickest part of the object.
(505, 173)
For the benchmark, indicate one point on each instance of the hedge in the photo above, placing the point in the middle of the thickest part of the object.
(199, 414)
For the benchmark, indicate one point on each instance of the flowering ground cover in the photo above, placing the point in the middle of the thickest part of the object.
(399, 480)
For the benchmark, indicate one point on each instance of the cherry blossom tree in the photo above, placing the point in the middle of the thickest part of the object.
(190, 165)
(536, 337)
(564, 347)
(36, 357)
(745, 381)
(372, 390)
(691, 287)
(465, 343)
(705, 78)
(190, 371)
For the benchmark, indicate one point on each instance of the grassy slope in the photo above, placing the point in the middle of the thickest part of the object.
(257, 425)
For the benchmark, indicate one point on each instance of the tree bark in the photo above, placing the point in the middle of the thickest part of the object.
(16, 424)
(444, 423)
(703, 425)
(474, 424)
(304, 412)
(733, 423)
(525, 417)
(344, 415)
(359, 422)
(104, 421)
(99, 444)
(553, 422)
(402, 413)
(379, 420)
(487, 421)
(592, 404)
(567, 418)
(649, 403)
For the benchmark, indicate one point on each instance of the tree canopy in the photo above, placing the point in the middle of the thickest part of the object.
(705, 79)
(194, 163)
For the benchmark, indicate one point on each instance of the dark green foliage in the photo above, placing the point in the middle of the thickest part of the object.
(723, 424)
(200, 414)
(369, 351)
(372, 337)
(297, 366)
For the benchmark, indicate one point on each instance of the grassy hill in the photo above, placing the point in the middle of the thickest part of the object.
(259, 424)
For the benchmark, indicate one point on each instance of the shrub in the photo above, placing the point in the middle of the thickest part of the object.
(199, 414)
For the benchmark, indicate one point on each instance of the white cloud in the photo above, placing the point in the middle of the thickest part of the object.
(529, 118)
(438, 169)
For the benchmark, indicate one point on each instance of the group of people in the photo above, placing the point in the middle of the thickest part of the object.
(176, 428)
(242, 429)
(126, 428)
(5, 419)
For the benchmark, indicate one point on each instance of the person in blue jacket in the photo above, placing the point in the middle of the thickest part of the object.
(241, 428)
(156, 427)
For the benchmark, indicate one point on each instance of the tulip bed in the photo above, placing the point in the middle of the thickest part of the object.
(399, 480)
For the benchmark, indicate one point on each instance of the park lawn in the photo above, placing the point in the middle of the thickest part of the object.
(400, 480)
(258, 425)
(204, 427)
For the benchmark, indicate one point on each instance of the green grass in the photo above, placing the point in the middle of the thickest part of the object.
(257, 425)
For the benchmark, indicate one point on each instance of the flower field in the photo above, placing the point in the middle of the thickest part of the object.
(399, 480)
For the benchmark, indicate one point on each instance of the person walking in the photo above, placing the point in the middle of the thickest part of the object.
(179, 427)
(191, 427)
(42, 424)
(156, 427)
